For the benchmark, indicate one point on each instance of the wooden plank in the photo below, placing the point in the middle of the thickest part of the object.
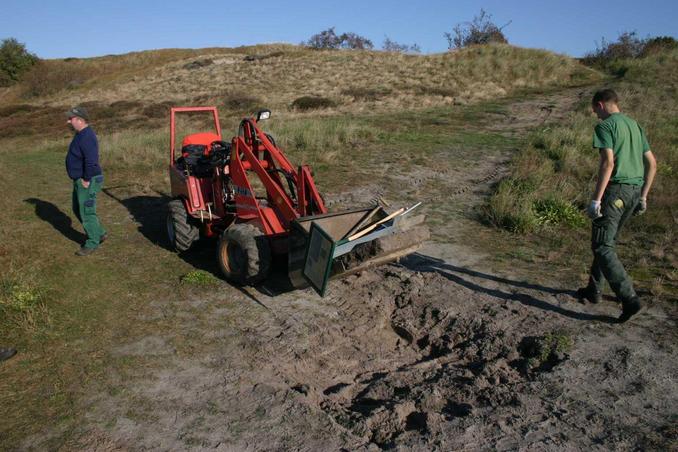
(368, 229)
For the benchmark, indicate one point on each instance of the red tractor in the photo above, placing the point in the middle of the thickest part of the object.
(246, 193)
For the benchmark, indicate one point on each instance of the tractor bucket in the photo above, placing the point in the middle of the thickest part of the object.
(324, 247)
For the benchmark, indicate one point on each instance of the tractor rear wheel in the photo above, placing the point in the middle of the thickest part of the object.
(181, 233)
(244, 254)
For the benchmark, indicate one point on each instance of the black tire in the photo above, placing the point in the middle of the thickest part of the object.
(181, 233)
(244, 254)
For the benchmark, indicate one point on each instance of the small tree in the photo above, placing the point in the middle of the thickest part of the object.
(354, 41)
(392, 46)
(628, 46)
(481, 30)
(14, 61)
(328, 39)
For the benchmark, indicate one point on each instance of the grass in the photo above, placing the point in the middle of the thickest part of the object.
(291, 72)
(22, 303)
(199, 278)
(546, 350)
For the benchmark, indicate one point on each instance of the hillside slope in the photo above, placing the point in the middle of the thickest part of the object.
(275, 75)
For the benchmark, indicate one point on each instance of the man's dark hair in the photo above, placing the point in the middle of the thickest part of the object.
(605, 96)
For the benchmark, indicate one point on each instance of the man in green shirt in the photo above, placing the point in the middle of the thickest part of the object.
(625, 175)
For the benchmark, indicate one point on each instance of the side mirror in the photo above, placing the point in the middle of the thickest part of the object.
(263, 114)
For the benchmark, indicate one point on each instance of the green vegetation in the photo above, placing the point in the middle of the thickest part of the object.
(556, 342)
(390, 45)
(544, 352)
(328, 39)
(15, 60)
(481, 30)
(22, 304)
(199, 278)
(628, 46)
(312, 103)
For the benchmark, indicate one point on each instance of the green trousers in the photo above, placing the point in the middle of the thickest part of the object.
(617, 206)
(85, 209)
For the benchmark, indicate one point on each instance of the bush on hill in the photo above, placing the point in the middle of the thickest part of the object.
(328, 39)
(15, 60)
(312, 103)
(628, 46)
(481, 30)
(392, 46)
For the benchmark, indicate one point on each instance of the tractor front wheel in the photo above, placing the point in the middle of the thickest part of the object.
(180, 232)
(244, 254)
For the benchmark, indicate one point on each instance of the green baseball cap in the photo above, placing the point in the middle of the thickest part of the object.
(80, 112)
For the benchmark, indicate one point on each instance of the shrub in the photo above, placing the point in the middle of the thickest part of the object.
(15, 60)
(553, 211)
(275, 54)
(17, 108)
(312, 103)
(392, 46)
(160, 110)
(627, 46)
(241, 102)
(481, 30)
(657, 45)
(354, 41)
(510, 207)
(197, 64)
(328, 39)
(542, 353)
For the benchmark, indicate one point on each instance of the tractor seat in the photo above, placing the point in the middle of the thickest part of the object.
(205, 139)
(196, 153)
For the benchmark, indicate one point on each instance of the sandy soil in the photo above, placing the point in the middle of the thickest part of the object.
(433, 353)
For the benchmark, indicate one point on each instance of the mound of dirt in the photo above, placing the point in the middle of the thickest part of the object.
(410, 359)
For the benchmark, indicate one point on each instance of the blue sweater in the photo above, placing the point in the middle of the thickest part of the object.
(82, 160)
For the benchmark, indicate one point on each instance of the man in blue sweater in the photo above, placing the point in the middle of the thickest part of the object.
(82, 165)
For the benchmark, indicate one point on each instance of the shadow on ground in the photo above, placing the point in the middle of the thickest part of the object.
(422, 263)
(149, 213)
(51, 214)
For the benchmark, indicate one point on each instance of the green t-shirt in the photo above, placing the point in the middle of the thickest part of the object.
(627, 140)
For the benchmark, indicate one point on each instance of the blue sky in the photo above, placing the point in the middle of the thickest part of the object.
(53, 29)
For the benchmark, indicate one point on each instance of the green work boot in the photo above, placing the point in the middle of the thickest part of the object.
(630, 308)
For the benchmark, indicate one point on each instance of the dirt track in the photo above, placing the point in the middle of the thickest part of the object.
(433, 353)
